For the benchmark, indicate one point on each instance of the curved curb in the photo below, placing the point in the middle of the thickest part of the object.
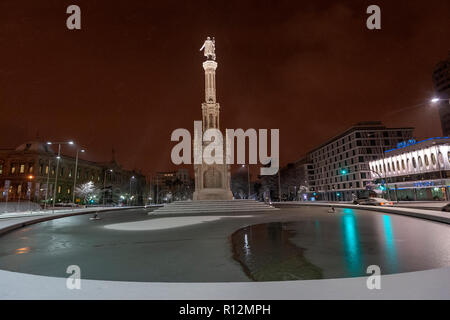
(426, 284)
(416, 213)
(51, 216)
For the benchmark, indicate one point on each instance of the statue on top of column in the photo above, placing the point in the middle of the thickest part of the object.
(210, 48)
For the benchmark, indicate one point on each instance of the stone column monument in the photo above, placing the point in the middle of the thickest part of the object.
(212, 182)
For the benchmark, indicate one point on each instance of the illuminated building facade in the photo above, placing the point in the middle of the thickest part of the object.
(415, 170)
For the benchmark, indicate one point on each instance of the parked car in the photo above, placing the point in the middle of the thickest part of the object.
(373, 202)
(446, 207)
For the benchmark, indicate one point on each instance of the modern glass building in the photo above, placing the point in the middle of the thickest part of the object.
(340, 165)
(441, 81)
(415, 170)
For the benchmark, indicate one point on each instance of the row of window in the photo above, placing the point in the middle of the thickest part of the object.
(19, 190)
(395, 166)
(366, 135)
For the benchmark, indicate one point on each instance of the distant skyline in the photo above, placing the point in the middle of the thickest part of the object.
(133, 73)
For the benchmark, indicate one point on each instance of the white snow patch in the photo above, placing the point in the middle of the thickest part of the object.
(165, 223)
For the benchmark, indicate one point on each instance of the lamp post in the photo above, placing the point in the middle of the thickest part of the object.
(46, 188)
(104, 185)
(30, 178)
(57, 167)
(279, 185)
(131, 179)
(248, 179)
(75, 176)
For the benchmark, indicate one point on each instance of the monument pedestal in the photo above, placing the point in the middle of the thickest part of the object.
(213, 194)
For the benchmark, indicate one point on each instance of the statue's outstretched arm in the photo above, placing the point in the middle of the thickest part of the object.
(203, 46)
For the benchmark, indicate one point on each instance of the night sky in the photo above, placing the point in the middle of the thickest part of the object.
(133, 73)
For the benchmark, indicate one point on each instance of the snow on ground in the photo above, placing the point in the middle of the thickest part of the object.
(164, 223)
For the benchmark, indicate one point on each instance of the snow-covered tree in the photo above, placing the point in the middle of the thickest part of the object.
(87, 191)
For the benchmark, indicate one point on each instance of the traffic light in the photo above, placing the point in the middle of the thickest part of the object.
(343, 171)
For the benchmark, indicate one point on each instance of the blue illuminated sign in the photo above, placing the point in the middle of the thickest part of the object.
(424, 184)
(406, 143)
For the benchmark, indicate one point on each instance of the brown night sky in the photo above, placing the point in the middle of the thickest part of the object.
(133, 73)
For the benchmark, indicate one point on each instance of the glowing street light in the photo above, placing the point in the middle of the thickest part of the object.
(75, 175)
(436, 100)
(131, 179)
(248, 179)
(58, 157)
(104, 184)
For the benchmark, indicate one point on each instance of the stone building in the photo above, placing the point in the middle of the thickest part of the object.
(170, 186)
(26, 171)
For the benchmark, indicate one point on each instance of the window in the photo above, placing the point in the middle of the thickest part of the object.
(433, 159)
(30, 168)
(420, 162)
(414, 163)
(59, 189)
(403, 164)
(70, 173)
(427, 163)
(1, 168)
(22, 168)
(398, 166)
(440, 159)
(13, 168)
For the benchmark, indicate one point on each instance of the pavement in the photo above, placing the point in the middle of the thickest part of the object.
(422, 212)
(426, 284)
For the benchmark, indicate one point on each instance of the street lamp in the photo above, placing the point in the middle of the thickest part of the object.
(436, 100)
(104, 185)
(30, 178)
(131, 179)
(248, 179)
(58, 157)
(75, 176)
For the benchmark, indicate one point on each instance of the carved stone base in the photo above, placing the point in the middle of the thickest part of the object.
(213, 194)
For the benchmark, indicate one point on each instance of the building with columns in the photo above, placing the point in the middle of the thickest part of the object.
(415, 170)
(212, 181)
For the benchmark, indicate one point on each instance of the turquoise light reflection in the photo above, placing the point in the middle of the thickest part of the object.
(391, 252)
(351, 243)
